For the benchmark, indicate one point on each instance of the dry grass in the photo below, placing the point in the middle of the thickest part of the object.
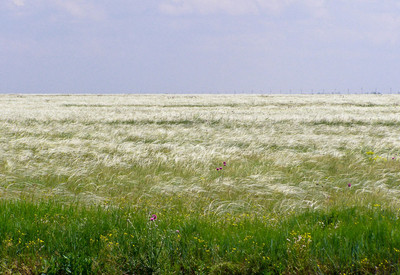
(284, 152)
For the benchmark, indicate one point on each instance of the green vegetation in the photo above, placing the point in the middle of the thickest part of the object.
(311, 184)
(49, 237)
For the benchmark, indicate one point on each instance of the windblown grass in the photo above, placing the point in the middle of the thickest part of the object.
(311, 184)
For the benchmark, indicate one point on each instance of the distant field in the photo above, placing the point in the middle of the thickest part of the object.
(311, 184)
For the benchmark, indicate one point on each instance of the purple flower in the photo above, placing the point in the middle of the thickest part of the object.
(217, 169)
(224, 163)
(349, 185)
(153, 217)
(177, 231)
(220, 168)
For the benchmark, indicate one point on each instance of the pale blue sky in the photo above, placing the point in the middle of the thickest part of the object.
(200, 46)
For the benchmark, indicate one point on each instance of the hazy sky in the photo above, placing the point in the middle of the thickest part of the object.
(123, 46)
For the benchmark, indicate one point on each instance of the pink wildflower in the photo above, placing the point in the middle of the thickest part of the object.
(349, 185)
(224, 163)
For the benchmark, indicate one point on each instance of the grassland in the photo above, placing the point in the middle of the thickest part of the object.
(311, 184)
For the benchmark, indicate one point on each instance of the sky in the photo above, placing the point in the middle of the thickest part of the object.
(199, 46)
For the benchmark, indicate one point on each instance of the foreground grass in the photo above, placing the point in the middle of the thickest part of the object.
(50, 237)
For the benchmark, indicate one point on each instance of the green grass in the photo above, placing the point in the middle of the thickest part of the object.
(51, 237)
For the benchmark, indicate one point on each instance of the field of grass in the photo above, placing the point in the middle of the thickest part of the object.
(128, 184)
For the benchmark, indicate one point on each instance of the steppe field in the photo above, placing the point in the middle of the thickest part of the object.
(199, 184)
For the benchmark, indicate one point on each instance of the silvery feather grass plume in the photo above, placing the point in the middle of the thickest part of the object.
(283, 152)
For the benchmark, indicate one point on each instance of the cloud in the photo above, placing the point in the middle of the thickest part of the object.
(372, 23)
(80, 9)
(208, 6)
(235, 7)
(18, 3)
